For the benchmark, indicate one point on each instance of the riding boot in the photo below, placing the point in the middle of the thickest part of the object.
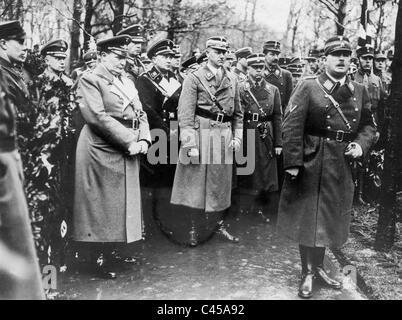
(320, 273)
(307, 278)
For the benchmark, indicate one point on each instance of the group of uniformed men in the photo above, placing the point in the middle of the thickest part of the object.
(226, 94)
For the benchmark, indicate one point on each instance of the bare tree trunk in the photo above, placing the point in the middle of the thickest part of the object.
(75, 32)
(118, 11)
(340, 29)
(385, 236)
(89, 12)
(173, 22)
(380, 26)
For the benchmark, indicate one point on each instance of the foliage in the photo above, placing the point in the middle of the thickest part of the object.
(44, 145)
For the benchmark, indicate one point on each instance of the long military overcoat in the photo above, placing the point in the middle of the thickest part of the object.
(107, 205)
(315, 208)
(265, 175)
(207, 185)
(282, 79)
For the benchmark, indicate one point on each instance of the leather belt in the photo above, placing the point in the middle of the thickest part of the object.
(218, 117)
(256, 117)
(7, 144)
(337, 135)
(132, 123)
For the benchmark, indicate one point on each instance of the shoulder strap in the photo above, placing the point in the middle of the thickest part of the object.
(213, 97)
(247, 88)
(336, 105)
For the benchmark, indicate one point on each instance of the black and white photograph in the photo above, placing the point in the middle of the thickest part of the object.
(201, 154)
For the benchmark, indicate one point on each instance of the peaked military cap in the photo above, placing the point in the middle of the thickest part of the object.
(380, 55)
(296, 61)
(55, 48)
(272, 46)
(283, 62)
(161, 47)
(217, 42)
(365, 51)
(256, 59)
(354, 60)
(189, 63)
(202, 58)
(136, 32)
(176, 50)
(313, 54)
(90, 56)
(117, 45)
(243, 52)
(11, 30)
(321, 52)
(337, 43)
(390, 55)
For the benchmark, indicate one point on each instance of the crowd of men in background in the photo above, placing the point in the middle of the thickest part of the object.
(266, 81)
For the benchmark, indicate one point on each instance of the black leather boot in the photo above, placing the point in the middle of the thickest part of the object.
(307, 279)
(320, 273)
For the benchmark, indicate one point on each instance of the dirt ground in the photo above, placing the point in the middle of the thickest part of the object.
(380, 273)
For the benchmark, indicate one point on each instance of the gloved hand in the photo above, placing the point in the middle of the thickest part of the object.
(354, 150)
(278, 151)
(134, 148)
(143, 147)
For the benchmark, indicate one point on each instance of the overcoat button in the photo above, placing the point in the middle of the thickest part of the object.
(356, 109)
(328, 117)
(329, 127)
(354, 120)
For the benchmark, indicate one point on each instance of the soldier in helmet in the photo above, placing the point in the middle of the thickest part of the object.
(134, 66)
(241, 66)
(327, 122)
(263, 115)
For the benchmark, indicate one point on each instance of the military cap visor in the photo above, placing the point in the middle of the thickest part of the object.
(163, 47)
(202, 58)
(218, 43)
(337, 43)
(90, 56)
(55, 48)
(189, 63)
(274, 46)
(256, 59)
(117, 45)
(11, 30)
(135, 32)
(243, 52)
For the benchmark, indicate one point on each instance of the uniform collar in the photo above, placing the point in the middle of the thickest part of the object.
(213, 69)
(341, 81)
(276, 71)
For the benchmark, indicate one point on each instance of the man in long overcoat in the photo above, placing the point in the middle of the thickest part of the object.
(107, 206)
(320, 138)
(20, 277)
(263, 115)
(209, 110)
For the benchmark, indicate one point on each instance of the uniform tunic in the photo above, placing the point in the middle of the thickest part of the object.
(207, 185)
(376, 92)
(107, 204)
(19, 268)
(315, 208)
(162, 114)
(282, 79)
(264, 177)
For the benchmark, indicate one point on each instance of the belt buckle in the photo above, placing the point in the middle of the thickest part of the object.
(219, 117)
(340, 134)
(136, 124)
(255, 117)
